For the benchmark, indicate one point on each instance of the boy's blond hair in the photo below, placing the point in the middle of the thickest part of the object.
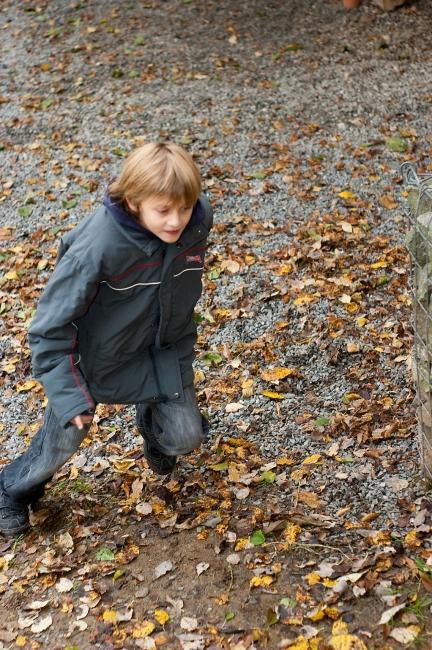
(157, 169)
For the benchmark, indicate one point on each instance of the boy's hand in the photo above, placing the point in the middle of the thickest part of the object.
(80, 421)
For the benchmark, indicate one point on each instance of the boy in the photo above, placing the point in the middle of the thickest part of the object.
(115, 323)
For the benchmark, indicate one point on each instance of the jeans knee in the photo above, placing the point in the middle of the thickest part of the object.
(182, 443)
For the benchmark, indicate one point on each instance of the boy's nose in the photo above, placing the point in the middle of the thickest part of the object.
(174, 220)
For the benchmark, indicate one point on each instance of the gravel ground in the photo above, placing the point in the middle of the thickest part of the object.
(284, 105)
(243, 86)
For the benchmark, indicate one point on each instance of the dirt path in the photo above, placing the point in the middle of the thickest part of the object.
(303, 522)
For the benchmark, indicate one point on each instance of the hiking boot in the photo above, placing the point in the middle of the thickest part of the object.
(157, 460)
(14, 516)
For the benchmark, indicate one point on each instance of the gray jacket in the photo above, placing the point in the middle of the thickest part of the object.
(115, 323)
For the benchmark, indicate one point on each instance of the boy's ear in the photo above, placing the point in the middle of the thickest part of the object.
(132, 207)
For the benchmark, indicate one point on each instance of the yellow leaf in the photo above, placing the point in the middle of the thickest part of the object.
(241, 543)
(343, 641)
(329, 583)
(273, 395)
(261, 581)
(382, 264)
(143, 629)
(313, 578)
(285, 460)
(161, 616)
(291, 532)
(361, 321)
(346, 194)
(300, 644)
(123, 465)
(223, 599)
(11, 275)
(304, 298)
(20, 641)
(284, 269)
(316, 615)
(274, 374)
(411, 539)
(310, 460)
(346, 227)
(109, 616)
(27, 385)
(332, 612)
(247, 388)
(42, 264)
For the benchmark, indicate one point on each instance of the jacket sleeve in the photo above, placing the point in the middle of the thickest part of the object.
(53, 337)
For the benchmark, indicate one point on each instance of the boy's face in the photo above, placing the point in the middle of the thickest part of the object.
(163, 216)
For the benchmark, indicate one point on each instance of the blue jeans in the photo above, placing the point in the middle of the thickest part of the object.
(176, 426)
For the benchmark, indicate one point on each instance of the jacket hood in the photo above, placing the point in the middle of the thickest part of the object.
(126, 220)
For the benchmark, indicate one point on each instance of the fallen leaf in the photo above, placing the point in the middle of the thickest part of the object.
(201, 567)
(42, 624)
(275, 374)
(144, 508)
(405, 635)
(163, 568)
(389, 613)
(272, 394)
(64, 585)
(143, 630)
(234, 407)
(161, 616)
(188, 623)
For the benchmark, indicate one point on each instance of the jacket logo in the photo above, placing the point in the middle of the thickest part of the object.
(193, 258)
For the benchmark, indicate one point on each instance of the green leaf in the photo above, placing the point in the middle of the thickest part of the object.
(213, 274)
(229, 616)
(117, 73)
(258, 175)
(219, 467)
(313, 233)
(396, 144)
(132, 74)
(139, 40)
(25, 211)
(46, 103)
(272, 617)
(72, 203)
(211, 358)
(322, 421)
(118, 574)
(198, 318)
(257, 538)
(293, 47)
(287, 602)
(118, 151)
(105, 554)
(268, 477)
(422, 566)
